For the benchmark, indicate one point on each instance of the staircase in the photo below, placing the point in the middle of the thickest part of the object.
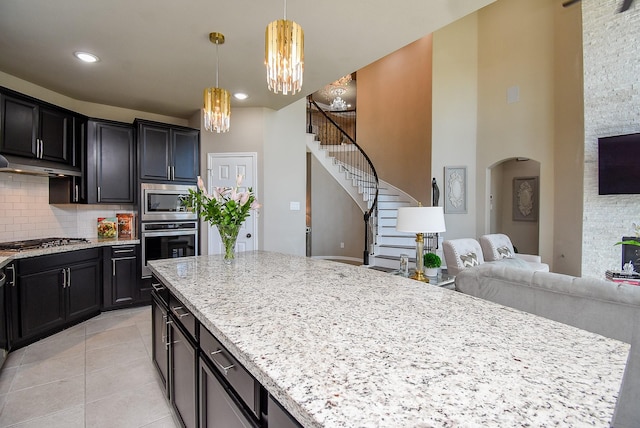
(388, 243)
(379, 201)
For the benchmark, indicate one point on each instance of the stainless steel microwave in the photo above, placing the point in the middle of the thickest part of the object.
(164, 202)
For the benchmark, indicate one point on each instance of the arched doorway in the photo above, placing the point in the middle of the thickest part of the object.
(514, 202)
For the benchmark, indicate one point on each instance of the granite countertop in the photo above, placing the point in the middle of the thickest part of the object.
(343, 346)
(7, 257)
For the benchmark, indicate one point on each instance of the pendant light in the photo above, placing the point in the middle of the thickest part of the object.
(284, 55)
(217, 101)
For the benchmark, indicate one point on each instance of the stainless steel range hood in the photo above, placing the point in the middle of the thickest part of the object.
(16, 164)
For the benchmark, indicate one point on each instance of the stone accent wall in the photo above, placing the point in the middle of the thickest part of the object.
(612, 107)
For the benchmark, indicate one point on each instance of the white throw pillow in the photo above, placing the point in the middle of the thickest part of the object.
(469, 260)
(504, 252)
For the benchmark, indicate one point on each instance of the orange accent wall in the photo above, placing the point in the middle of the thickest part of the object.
(394, 117)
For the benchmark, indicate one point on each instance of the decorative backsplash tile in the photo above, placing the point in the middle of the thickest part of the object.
(25, 212)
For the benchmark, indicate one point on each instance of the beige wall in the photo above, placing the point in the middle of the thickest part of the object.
(285, 153)
(532, 47)
(335, 217)
(455, 114)
(569, 138)
(515, 50)
(394, 117)
(246, 134)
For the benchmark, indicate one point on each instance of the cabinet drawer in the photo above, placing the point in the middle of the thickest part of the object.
(182, 314)
(245, 386)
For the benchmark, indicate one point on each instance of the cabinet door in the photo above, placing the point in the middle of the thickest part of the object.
(278, 417)
(185, 146)
(56, 134)
(183, 382)
(19, 127)
(83, 289)
(124, 276)
(110, 147)
(42, 305)
(154, 145)
(159, 336)
(217, 407)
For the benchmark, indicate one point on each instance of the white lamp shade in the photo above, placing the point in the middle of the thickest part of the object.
(420, 220)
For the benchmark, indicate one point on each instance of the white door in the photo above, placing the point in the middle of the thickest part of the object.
(222, 170)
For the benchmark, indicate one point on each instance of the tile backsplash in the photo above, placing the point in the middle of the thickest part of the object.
(25, 212)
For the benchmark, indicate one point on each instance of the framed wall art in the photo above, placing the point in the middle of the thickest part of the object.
(525, 199)
(455, 189)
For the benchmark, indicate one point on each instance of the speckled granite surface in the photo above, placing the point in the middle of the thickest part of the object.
(7, 256)
(343, 346)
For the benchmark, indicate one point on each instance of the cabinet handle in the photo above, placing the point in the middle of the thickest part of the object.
(175, 311)
(168, 172)
(38, 148)
(68, 277)
(173, 172)
(130, 250)
(75, 193)
(157, 287)
(64, 278)
(113, 261)
(13, 275)
(98, 193)
(222, 367)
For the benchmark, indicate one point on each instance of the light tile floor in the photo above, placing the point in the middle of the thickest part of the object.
(95, 374)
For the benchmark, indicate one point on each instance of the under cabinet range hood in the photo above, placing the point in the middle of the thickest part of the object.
(16, 164)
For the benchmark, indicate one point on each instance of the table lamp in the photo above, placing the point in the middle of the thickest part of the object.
(420, 220)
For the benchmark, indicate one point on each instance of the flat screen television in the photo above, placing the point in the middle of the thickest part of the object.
(619, 165)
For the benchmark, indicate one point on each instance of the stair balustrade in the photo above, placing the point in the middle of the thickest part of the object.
(336, 132)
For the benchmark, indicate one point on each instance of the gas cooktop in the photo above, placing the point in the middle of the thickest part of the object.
(32, 244)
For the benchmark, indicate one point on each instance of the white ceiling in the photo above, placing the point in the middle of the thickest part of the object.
(156, 55)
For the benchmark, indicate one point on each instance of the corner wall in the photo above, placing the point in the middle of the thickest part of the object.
(455, 115)
(394, 117)
(611, 107)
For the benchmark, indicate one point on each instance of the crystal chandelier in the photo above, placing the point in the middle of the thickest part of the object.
(217, 101)
(284, 55)
(338, 103)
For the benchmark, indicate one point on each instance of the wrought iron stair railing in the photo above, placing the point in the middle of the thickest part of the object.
(336, 132)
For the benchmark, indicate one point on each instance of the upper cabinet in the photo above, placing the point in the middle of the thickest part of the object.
(111, 163)
(37, 130)
(168, 153)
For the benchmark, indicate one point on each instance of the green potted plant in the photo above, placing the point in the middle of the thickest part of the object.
(432, 263)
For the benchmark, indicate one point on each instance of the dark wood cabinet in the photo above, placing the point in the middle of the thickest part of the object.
(120, 285)
(205, 384)
(111, 165)
(55, 290)
(167, 153)
(160, 338)
(218, 408)
(183, 357)
(34, 129)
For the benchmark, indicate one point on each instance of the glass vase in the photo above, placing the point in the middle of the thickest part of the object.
(229, 235)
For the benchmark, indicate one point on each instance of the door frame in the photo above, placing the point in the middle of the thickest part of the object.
(254, 156)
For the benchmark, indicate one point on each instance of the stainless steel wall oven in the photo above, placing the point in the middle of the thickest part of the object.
(167, 240)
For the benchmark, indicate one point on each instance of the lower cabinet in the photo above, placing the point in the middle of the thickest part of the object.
(218, 409)
(183, 357)
(120, 280)
(206, 386)
(54, 290)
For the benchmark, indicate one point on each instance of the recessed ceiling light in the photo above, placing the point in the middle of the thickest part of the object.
(240, 96)
(86, 57)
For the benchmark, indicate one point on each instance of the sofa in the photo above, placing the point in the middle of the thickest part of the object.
(604, 307)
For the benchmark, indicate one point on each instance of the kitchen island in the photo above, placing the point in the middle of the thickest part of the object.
(341, 346)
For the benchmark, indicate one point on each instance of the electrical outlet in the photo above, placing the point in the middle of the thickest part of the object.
(342, 245)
